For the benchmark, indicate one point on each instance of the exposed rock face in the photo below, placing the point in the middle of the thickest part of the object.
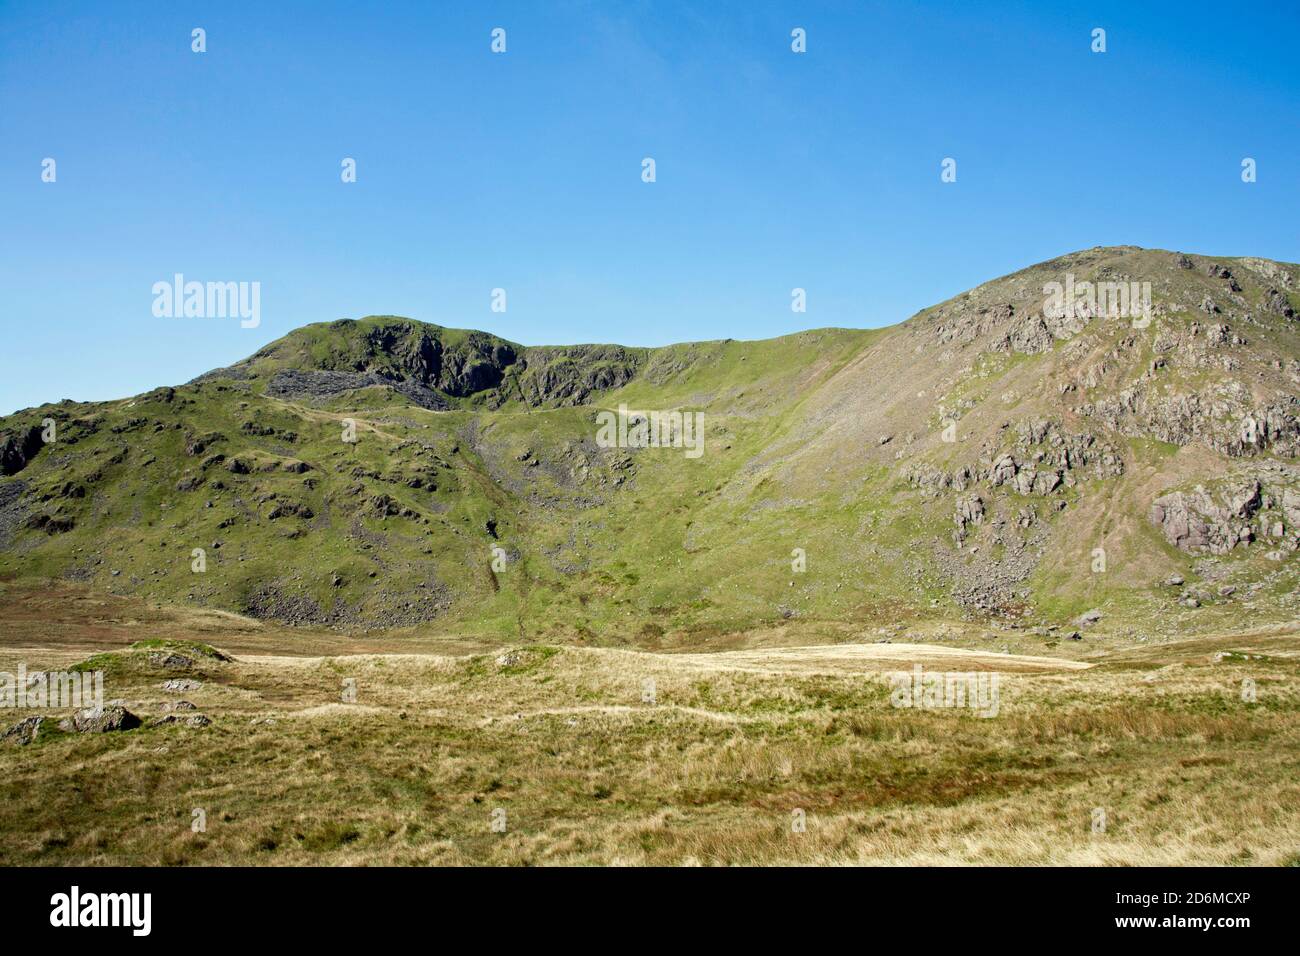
(1201, 322)
(474, 365)
(1199, 521)
(1043, 459)
(1182, 526)
(970, 510)
(570, 375)
(423, 362)
(396, 350)
(1010, 327)
(18, 448)
(1227, 419)
(1279, 303)
(1002, 471)
(431, 366)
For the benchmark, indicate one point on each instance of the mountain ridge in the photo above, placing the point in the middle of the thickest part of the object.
(964, 464)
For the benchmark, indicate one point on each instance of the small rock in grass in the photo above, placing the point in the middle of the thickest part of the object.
(193, 720)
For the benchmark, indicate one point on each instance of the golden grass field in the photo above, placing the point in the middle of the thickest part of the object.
(445, 733)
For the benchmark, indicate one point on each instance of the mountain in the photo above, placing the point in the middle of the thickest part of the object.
(1016, 457)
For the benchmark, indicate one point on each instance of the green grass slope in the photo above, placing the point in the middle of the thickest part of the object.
(386, 473)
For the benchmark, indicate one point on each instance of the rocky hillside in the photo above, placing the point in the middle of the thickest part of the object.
(1124, 465)
(432, 367)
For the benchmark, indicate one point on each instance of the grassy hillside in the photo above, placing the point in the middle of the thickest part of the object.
(1065, 433)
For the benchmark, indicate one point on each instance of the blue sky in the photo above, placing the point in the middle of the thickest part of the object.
(523, 170)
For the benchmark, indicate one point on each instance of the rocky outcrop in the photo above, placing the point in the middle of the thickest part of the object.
(1043, 459)
(1226, 419)
(431, 365)
(565, 376)
(50, 524)
(969, 511)
(289, 509)
(385, 506)
(196, 445)
(18, 448)
(1215, 521)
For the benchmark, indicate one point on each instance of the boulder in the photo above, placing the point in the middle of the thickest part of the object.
(25, 731)
(100, 720)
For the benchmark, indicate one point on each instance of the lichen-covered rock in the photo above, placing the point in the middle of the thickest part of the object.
(100, 720)
(25, 731)
(1195, 521)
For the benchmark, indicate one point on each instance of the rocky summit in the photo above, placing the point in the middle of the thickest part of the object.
(1067, 439)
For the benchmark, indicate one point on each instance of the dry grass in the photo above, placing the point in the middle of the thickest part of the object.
(710, 773)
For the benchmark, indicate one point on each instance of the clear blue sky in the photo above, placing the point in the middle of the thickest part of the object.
(522, 170)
